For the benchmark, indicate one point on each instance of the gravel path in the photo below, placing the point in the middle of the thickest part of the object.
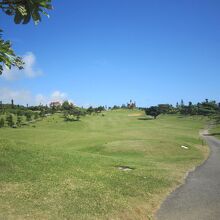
(199, 197)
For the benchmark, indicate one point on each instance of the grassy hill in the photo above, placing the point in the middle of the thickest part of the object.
(216, 131)
(117, 166)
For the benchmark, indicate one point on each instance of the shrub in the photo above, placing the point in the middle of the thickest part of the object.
(36, 115)
(19, 120)
(10, 120)
(28, 116)
(153, 111)
(2, 122)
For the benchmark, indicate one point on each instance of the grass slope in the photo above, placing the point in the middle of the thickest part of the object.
(68, 170)
(216, 131)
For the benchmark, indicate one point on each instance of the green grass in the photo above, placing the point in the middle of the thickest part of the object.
(216, 131)
(68, 170)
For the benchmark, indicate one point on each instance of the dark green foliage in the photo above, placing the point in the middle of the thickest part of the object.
(77, 117)
(74, 114)
(181, 103)
(18, 110)
(218, 118)
(37, 108)
(206, 108)
(165, 108)
(36, 115)
(10, 120)
(19, 120)
(153, 111)
(2, 122)
(66, 106)
(7, 55)
(42, 113)
(28, 116)
(99, 109)
(53, 109)
(123, 106)
(22, 11)
(115, 107)
(189, 110)
(90, 110)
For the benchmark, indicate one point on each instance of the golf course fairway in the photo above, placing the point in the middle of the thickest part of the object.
(119, 165)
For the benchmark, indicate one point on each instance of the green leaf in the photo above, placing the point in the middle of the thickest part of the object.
(23, 9)
(26, 19)
(18, 17)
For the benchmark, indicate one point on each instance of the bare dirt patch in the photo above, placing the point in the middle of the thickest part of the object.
(135, 115)
(125, 168)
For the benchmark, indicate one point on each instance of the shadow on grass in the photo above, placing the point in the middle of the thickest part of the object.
(71, 120)
(212, 134)
(145, 119)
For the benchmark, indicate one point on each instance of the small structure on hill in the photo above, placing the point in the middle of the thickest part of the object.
(55, 104)
(131, 105)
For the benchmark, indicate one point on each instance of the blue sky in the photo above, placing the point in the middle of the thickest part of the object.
(106, 52)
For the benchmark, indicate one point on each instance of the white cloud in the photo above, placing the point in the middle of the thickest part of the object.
(29, 71)
(41, 99)
(29, 67)
(24, 97)
(58, 96)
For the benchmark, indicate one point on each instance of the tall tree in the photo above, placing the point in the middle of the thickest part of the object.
(12, 103)
(22, 11)
(153, 111)
(182, 103)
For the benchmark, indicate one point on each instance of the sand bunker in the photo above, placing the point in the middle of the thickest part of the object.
(135, 115)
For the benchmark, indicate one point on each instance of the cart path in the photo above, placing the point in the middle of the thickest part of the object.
(199, 197)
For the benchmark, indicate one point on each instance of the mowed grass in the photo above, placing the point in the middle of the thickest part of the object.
(69, 170)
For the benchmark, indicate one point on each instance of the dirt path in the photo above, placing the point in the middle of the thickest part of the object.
(199, 197)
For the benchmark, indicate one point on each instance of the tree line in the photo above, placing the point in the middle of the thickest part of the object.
(205, 108)
(18, 115)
